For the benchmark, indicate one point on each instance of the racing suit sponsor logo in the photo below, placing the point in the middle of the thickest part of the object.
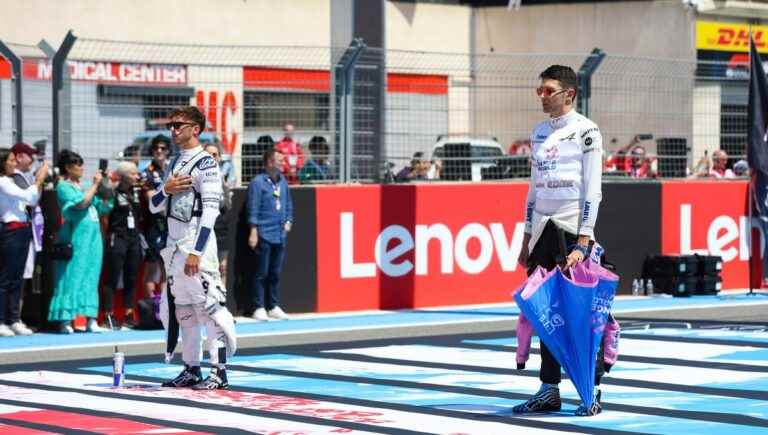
(571, 136)
(205, 163)
(556, 184)
(588, 141)
(588, 131)
(587, 208)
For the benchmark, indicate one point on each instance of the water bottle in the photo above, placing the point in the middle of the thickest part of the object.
(118, 369)
(649, 287)
(636, 287)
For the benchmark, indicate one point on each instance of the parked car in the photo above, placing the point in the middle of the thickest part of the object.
(465, 157)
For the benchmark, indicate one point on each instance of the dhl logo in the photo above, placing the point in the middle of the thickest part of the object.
(729, 36)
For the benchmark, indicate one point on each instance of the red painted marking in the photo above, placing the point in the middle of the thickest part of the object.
(18, 430)
(72, 420)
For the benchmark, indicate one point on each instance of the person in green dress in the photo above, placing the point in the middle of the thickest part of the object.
(76, 290)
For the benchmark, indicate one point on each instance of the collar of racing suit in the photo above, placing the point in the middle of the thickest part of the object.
(562, 121)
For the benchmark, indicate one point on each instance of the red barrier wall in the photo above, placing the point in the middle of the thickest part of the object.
(402, 246)
(709, 217)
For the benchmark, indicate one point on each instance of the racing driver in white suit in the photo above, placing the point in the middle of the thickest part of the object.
(561, 209)
(194, 295)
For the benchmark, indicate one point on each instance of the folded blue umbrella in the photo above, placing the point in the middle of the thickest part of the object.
(569, 316)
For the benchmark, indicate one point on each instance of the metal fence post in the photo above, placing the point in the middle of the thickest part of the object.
(57, 83)
(588, 68)
(345, 76)
(18, 119)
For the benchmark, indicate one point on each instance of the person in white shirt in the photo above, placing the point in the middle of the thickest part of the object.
(15, 237)
(561, 209)
(25, 177)
(195, 296)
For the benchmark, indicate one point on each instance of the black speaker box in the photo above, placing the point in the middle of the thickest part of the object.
(670, 265)
(709, 285)
(677, 286)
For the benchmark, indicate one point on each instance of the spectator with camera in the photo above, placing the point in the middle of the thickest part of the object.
(124, 244)
(418, 169)
(24, 177)
(79, 249)
(155, 227)
(15, 237)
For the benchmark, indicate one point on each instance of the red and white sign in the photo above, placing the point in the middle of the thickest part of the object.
(103, 72)
(394, 246)
(320, 80)
(710, 218)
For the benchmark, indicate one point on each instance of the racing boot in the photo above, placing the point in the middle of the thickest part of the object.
(188, 377)
(216, 380)
(547, 399)
(596, 408)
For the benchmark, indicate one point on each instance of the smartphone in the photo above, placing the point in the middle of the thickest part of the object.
(103, 166)
(645, 136)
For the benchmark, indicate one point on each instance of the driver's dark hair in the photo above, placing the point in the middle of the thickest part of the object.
(191, 113)
(564, 74)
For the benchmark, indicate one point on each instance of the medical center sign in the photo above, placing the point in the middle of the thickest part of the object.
(418, 245)
(113, 72)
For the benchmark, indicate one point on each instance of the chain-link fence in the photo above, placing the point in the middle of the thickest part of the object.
(363, 114)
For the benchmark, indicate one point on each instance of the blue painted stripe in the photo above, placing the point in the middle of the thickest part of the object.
(404, 318)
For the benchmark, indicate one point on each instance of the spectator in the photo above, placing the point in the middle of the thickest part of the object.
(124, 245)
(227, 167)
(317, 168)
(24, 177)
(76, 289)
(638, 165)
(435, 170)
(741, 168)
(716, 168)
(15, 237)
(294, 155)
(221, 228)
(270, 215)
(418, 169)
(719, 162)
(155, 229)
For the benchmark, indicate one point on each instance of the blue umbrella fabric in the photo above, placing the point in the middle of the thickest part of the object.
(569, 316)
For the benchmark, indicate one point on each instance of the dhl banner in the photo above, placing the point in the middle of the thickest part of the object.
(732, 37)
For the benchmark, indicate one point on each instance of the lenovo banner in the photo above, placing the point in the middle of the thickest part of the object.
(403, 246)
(709, 218)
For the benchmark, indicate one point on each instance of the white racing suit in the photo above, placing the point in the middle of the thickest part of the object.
(199, 299)
(566, 178)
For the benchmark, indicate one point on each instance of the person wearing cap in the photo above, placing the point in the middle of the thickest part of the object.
(15, 237)
(24, 177)
(741, 168)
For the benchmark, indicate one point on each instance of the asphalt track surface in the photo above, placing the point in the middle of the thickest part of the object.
(686, 366)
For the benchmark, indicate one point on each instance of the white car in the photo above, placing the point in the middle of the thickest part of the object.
(454, 151)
